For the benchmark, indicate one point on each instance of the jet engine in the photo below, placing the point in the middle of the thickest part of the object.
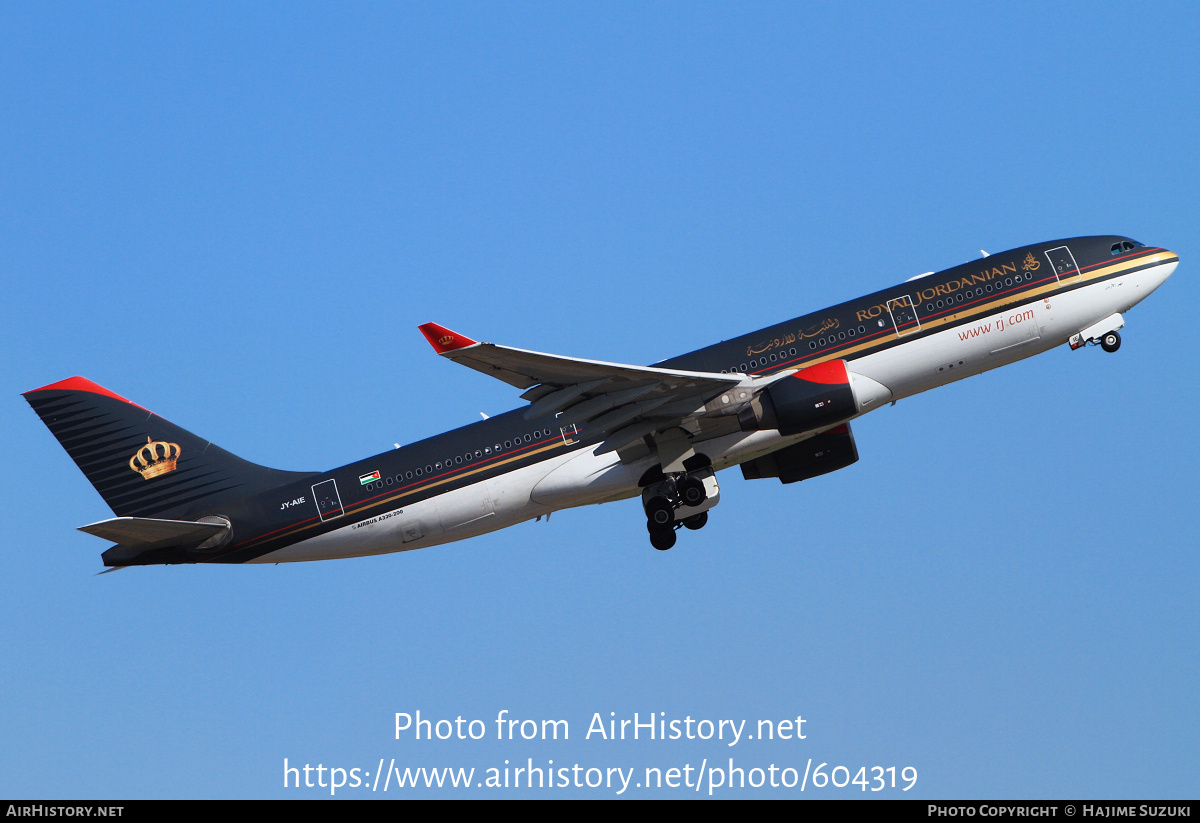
(820, 454)
(812, 398)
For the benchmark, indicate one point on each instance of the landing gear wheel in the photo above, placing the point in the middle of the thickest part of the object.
(659, 513)
(662, 539)
(1110, 342)
(691, 491)
(696, 521)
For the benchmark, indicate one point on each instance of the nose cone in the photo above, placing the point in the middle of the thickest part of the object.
(1164, 267)
(1169, 261)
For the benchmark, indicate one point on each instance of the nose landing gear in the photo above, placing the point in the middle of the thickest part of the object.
(1106, 333)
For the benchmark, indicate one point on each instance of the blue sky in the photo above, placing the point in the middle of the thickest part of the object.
(237, 218)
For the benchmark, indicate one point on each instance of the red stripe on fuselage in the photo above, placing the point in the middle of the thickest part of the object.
(393, 494)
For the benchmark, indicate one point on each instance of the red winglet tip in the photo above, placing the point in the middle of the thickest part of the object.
(83, 384)
(444, 340)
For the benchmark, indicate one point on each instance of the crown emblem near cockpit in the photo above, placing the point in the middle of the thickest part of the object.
(1031, 263)
(155, 458)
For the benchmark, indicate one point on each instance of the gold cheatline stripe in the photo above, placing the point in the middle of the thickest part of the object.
(408, 493)
(986, 308)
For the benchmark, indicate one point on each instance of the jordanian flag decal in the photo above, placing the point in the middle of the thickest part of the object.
(368, 478)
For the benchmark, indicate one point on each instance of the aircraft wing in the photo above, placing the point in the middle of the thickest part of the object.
(624, 402)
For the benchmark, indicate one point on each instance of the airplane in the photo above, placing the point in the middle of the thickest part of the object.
(778, 402)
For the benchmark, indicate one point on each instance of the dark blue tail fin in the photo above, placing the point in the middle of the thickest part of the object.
(143, 465)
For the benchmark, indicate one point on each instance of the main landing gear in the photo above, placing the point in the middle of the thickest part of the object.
(1111, 342)
(679, 500)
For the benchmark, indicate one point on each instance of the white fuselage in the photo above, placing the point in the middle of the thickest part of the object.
(584, 477)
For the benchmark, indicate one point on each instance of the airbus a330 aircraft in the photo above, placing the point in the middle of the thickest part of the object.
(777, 402)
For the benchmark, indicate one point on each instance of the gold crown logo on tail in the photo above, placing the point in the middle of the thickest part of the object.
(155, 458)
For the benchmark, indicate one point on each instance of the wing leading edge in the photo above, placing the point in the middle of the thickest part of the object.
(623, 402)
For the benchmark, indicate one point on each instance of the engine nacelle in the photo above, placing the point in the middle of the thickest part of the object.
(812, 398)
(818, 455)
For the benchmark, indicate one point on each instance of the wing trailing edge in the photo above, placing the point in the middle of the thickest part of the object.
(622, 402)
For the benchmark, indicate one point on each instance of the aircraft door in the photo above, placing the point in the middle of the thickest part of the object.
(1063, 263)
(904, 315)
(329, 504)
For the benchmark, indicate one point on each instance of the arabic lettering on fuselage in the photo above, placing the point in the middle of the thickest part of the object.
(825, 325)
(764, 346)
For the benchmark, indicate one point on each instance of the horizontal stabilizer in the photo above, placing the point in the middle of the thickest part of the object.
(143, 533)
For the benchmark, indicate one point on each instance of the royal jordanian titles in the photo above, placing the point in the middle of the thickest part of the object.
(777, 402)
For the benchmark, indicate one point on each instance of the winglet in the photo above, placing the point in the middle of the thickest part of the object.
(443, 340)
